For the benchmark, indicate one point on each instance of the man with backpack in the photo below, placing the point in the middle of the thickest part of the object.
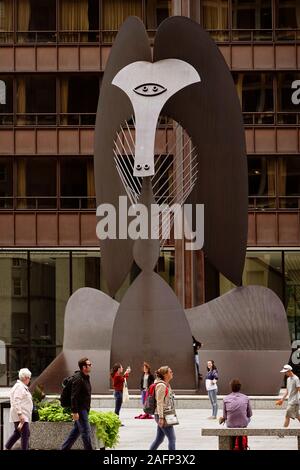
(80, 403)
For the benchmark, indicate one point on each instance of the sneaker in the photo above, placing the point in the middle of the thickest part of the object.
(122, 424)
(212, 417)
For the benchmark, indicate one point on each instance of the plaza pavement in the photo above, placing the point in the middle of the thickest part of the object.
(139, 433)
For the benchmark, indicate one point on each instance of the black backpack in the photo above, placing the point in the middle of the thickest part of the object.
(65, 396)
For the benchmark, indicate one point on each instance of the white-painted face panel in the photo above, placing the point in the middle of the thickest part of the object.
(149, 86)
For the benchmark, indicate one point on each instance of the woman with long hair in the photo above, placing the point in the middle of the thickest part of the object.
(118, 379)
(211, 380)
(164, 406)
(147, 379)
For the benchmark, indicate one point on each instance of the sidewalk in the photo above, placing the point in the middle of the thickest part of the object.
(139, 433)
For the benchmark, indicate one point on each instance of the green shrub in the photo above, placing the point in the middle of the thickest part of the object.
(107, 426)
(107, 423)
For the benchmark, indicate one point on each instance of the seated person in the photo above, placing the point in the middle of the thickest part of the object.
(236, 409)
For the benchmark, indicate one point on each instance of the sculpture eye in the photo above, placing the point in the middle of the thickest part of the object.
(149, 89)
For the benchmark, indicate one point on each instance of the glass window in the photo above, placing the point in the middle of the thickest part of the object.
(42, 15)
(6, 21)
(49, 293)
(14, 316)
(77, 187)
(6, 100)
(257, 91)
(287, 14)
(214, 17)
(6, 183)
(86, 270)
(76, 19)
(114, 14)
(264, 269)
(285, 91)
(252, 14)
(289, 182)
(36, 95)
(79, 95)
(261, 182)
(36, 183)
(261, 176)
(292, 292)
(156, 12)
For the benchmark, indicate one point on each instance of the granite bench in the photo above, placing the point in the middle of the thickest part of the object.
(226, 434)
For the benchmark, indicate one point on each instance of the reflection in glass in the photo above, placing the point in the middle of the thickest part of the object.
(261, 176)
(49, 293)
(289, 181)
(14, 315)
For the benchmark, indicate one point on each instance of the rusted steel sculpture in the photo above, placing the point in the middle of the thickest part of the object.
(188, 81)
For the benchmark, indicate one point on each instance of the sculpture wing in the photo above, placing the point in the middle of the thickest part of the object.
(210, 112)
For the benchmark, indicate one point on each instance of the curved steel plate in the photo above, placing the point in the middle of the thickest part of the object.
(89, 320)
(242, 331)
(210, 112)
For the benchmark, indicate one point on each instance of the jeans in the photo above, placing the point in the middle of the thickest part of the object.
(143, 396)
(23, 434)
(213, 399)
(118, 401)
(81, 426)
(160, 435)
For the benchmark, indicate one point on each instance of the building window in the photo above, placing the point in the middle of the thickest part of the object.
(255, 92)
(78, 100)
(288, 185)
(36, 183)
(252, 20)
(77, 18)
(6, 21)
(261, 182)
(36, 100)
(77, 187)
(156, 12)
(42, 21)
(214, 17)
(287, 106)
(287, 14)
(6, 183)
(6, 100)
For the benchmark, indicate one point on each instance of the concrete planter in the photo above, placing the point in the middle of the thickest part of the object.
(45, 435)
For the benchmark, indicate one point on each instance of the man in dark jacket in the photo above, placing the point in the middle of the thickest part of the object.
(80, 406)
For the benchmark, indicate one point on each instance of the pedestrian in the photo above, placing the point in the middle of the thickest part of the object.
(236, 412)
(20, 410)
(147, 379)
(164, 406)
(292, 392)
(80, 406)
(197, 345)
(211, 380)
(118, 379)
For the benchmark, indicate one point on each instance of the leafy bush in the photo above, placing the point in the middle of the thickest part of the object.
(53, 411)
(107, 423)
(107, 426)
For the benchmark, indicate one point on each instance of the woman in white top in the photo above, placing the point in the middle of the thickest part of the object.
(20, 410)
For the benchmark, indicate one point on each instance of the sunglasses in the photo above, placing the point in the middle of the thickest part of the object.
(88, 364)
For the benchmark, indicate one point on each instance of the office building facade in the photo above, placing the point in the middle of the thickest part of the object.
(52, 57)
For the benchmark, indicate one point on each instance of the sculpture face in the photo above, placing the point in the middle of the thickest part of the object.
(149, 86)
